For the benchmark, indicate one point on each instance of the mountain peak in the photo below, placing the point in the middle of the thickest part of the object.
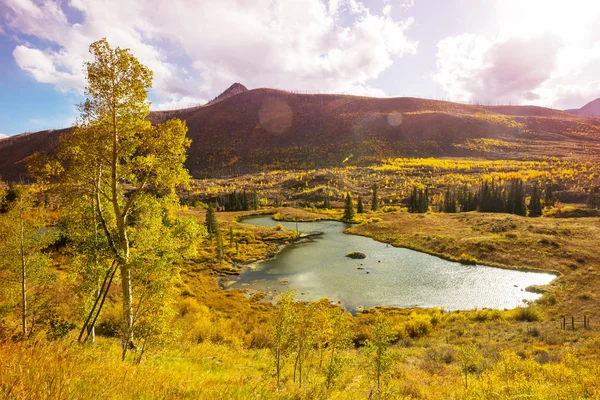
(233, 90)
(591, 109)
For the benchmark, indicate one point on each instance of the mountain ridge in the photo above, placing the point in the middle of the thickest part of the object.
(591, 109)
(260, 129)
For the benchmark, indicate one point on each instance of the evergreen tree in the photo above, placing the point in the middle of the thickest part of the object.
(594, 198)
(374, 200)
(359, 208)
(219, 245)
(515, 203)
(244, 200)
(412, 201)
(418, 201)
(549, 199)
(211, 223)
(519, 207)
(535, 203)
(485, 198)
(348, 209)
(424, 201)
(326, 201)
(230, 236)
(449, 205)
(255, 200)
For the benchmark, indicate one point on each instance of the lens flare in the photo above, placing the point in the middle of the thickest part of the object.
(394, 118)
(275, 116)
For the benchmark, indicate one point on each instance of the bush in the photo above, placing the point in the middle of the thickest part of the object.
(528, 314)
(442, 354)
(58, 328)
(418, 327)
(486, 315)
(467, 259)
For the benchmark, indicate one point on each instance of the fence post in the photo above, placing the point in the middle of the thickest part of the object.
(584, 321)
(564, 323)
(572, 322)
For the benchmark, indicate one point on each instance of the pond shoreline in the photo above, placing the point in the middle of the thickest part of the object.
(228, 282)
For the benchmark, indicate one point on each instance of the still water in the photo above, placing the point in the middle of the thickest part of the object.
(389, 276)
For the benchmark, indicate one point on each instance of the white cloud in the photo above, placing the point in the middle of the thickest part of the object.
(471, 68)
(547, 54)
(198, 48)
(43, 66)
(174, 104)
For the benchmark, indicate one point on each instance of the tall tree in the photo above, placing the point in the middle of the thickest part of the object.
(348, 208)
(535, 202)
(22, 238)
(549, 199)
(375, 199)
(377, 349)
(116, 155)
(282, 331)
(418, 201)
(360, 209)
(327, 201)
(449, 202)
(211, 223)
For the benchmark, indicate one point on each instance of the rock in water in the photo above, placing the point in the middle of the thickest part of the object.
(356, 255)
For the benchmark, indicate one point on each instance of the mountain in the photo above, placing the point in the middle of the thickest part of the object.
(234, 89)
(262, 129)
(591, 109)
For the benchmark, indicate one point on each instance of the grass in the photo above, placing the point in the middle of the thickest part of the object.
(566, 246)
(217, 345)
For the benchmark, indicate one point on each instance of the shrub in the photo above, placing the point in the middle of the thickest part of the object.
(528, 314)
(467, 259)
(486, 315)
(418, 327)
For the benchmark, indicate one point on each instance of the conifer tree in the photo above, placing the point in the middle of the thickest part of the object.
(326, 201)
(424, 201)
(549, 199)
(535, 204)
(519, 207)
(449, 205)
(375, 199)
(211, 223)
(594, 198)
(244, 201)
(348, 209)
(359, 207)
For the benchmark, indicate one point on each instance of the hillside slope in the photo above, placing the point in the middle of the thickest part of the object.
(270, 129)
(591, 109)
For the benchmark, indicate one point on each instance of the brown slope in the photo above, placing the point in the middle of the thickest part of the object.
(591, 109)
(15, 150)
(265, 129)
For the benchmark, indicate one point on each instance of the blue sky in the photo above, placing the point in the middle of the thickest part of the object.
(543, 52)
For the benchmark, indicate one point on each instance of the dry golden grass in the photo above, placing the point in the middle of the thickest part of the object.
(565, 245)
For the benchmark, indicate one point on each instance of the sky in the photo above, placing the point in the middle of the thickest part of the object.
(541, 52)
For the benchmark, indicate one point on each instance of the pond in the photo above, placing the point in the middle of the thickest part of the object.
(388, 276)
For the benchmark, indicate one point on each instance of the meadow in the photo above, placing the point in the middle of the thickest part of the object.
(220, 343)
